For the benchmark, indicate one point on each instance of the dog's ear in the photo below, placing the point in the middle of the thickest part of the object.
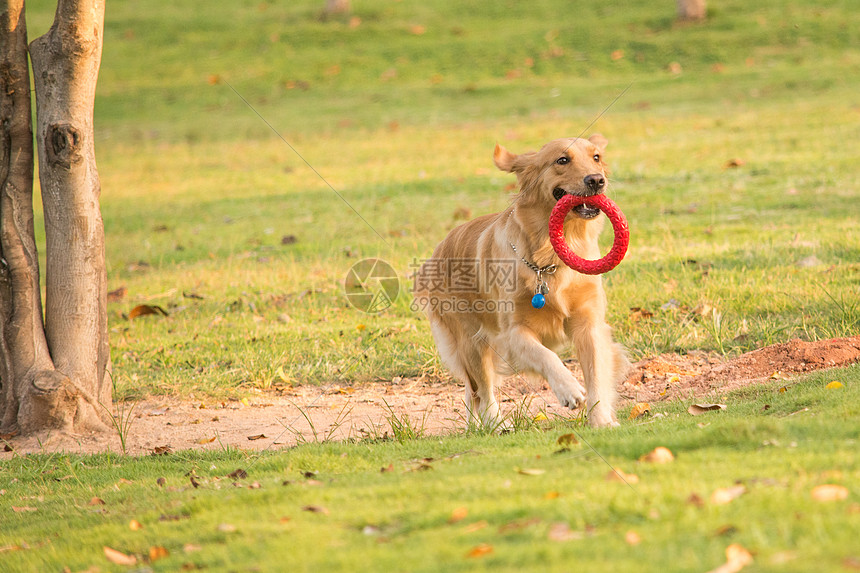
(504, 159)
(599, 141)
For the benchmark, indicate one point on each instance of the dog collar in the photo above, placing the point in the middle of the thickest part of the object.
(541, 288)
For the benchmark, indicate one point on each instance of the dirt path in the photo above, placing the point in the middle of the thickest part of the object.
(333, 412)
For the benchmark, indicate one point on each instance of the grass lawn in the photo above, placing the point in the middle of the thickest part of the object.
(473, 502)
(734, 154)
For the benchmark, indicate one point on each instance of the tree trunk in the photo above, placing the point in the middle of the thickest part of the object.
(53, 376)
(691, 10)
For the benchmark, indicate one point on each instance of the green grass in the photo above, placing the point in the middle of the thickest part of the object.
(197, 194)
(198, 189)
(779, 445)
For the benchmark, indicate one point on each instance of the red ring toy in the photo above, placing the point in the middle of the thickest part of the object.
(571, 259)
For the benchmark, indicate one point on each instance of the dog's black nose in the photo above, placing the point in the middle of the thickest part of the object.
(595, 183)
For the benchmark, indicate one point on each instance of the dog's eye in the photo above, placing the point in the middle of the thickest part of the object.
(597, 158)
(563, 160)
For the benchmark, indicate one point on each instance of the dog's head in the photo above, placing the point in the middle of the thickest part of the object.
(564, 166)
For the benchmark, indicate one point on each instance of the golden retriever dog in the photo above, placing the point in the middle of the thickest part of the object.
(478, 288)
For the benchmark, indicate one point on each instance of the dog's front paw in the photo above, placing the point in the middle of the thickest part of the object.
(570, 394)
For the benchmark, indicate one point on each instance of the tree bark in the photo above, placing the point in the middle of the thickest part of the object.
(691, 10)
(54, 376)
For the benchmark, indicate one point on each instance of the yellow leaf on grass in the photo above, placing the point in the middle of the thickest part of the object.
(699, 409)
(530, 471)
(725, 495)
(617, 475)
(157, 552)
(459, 514)
(737, 557)
(134, 525)
(632, 538)
(118, 557)
(146, 310)
(829, 492)
(480, 550)
(540, 417)
(477, 526)
(639, 410)
(834, 385)
(658, 455)
(206, 440)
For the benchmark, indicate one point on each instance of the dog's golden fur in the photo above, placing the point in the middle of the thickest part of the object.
(479, 344)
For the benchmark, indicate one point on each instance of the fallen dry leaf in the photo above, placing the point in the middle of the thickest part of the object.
(616, 474)
(207, 440)
(632, 538)
(157, 552)
(477, 526)
(530, 471)
(96, 501)
(737, 557)
(658, 455)
(458, 514)
(117, 295)
(315, 509)
(134, 525)
(551, 495)
(638, 313)
(834, 385)
(162, 450)
(725, 495)
(561, 531)
(238, 474)
(145, 310)
(567, 439)
(226, 527)
(696, 499)
(519, 524)
(480, 550)
(733, 163)
(22, 509)
(639, 410)
(161, 481)
(257, 437)
(118, 557)
(699, 409)
(829, 492)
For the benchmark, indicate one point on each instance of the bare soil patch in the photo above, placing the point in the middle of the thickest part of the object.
(307, 413)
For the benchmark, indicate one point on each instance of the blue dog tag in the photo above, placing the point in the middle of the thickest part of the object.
(538, 301)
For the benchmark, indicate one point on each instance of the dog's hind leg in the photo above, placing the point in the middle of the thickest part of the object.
(480, 387)
(473, 367)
